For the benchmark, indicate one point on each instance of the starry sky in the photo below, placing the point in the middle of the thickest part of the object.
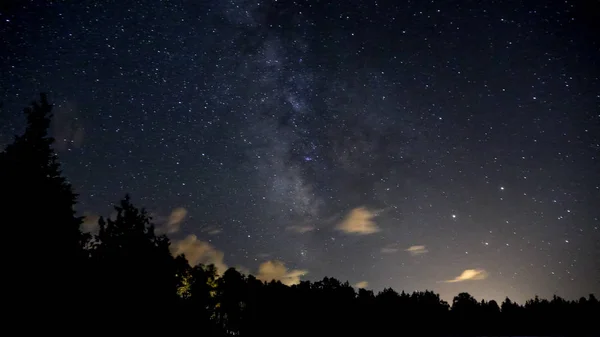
(445, 145)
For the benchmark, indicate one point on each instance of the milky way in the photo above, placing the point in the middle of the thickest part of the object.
(434, 145)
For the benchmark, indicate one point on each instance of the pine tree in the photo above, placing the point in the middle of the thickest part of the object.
(38, 216)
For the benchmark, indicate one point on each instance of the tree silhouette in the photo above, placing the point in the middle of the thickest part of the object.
(203, 290)
(465, 313)
(231, 296)
(126, 276)
(134, 268)
(38, 212)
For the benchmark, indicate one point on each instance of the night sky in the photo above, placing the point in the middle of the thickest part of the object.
(445, 145)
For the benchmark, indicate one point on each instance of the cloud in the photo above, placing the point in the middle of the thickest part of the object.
(416, 250)
(276, 270)
(390, 249)
(90, 223)
(170, 224)
(469, 274)
(301, 229)
(175, 218)
(197, 251)
(359, 221)
(361, 284)
(211, 230)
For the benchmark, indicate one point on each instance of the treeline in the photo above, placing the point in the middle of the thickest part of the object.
(125, 276)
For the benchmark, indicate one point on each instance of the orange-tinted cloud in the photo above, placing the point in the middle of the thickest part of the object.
(276, 270)
(416, 250)
(469, 274)
(361, 284)
(197, 251)
(360, 222)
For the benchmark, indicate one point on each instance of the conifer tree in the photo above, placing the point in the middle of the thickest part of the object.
(38, 214)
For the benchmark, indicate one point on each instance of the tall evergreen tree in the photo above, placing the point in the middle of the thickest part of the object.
(38, 215)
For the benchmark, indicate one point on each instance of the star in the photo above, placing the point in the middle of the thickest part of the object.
(246, 127)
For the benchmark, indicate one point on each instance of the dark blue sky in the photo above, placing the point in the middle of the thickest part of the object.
(446, 145)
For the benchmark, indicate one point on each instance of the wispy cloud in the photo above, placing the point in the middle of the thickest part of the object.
(276, 270)
(390, 249)
(90, 223)
(197, 251)
(301, 229)
(469, 274)
(416, 250)
(361, 284)
(170, 224)
(211, 230)
(175, 218)
(360, 222)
